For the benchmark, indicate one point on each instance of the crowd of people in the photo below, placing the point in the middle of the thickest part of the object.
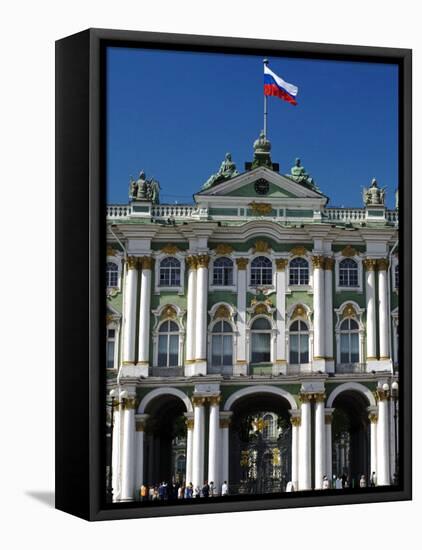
(176, 491)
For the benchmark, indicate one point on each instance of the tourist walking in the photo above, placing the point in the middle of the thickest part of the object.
(212, 489)
(205, 492)
(224, 489)
(362, 481)
(325, 482)
(197, 492)
(189, 491)
(373, 480)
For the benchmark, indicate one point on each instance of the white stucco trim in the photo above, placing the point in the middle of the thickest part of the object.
(161, 392)
(352, 386)
(250, 390)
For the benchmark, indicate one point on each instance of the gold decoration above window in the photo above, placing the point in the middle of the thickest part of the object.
(169, 312)
(349, 311)
(222, 312)
(348, 251)
(192, 262)
(299, 311)
(261, 309)
(281, 264)
(146, 262)
(261, 246)
(170, 249)
(242, 263)
(223, 249)
(298, 251)
(260, 208)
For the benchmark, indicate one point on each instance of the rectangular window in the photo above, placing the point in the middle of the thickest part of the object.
(354, 355)
(162, 351)
(261, 348)
(294, 349)
(227, 350)
(304, 352)
(110, 354)
(344, 348)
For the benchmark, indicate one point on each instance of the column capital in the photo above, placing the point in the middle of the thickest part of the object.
(225, 419)
(141, 422)
(132, 262)
(295, 421)
(203, 260)
(192, 262)
(214, 400)
(329, 264)
(198, 400)
(382, 395)
(318, 262)
(328, 413)
(370, 264)
(281, 263)
(146, 262)
(129, 403)
(382, 264)
(307, 397)
(242, 263)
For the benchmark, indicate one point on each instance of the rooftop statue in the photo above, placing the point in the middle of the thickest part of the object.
(143, 189)
(300, 175)
(262, 152)
(374, 196)
(226, 171)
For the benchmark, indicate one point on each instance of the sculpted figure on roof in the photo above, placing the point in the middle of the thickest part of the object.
(226, 171)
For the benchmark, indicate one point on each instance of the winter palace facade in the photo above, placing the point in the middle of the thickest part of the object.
(252, 337)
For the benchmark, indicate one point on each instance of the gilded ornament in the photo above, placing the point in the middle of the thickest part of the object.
(170, 249)
(198, 400)
(305, 397)
(189, 423)
(203, 260)
(369, 264)
(260, 208)
(192, 262)
(373, 417)
(111, 251)
(261, 246)
(214, 400)
(281, 264)
(222, 312)
(224, 422)
(329, 264)
(295, 421)
(299, 311)
(109, 319)
(319, 397)
(298, 251)
(382, 395)
(261, 309)
(349, 311)
(382, 264)
(129, 403)
(132, 262)
(223, 249)
(169, 312)
(318, 262)
(241, 263)
(349, 252)
(276, 457)
(146, 262)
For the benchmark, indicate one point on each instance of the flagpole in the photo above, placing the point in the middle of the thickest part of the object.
(265, 61)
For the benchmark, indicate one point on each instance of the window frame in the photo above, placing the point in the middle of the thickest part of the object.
(338, 257)
(168, 334)
(254, 287)
(253, 331)
(349, 332)
(348, 270)
(300, 285)
(179, 289)
(212, 334)
(299, 333)
(215, 286)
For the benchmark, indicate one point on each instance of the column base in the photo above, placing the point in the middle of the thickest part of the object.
(279, 367)
(379, 365)
(132, 370)
(198, 368)
(240, 369)
(319, 364)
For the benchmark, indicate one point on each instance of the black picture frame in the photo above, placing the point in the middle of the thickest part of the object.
(80, 254)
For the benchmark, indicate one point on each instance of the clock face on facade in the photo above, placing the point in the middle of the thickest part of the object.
(262, 186)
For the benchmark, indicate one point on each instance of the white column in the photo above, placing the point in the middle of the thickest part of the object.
(191, 300)
(225, 431)
(383, 472)
(328, 317)
(201, 313)
(140, 423)
(295, 421)
(319, 310)
(382, 265)
(241, 362)
(371, 334)
(329, 444)
(115, 453)
(305, 481)
(320, 449)
(144, 313)
(214, 443)
(128, 449)
(129, 325)
(198, 441)
(280, 357)
(373, 419)
(189, 446)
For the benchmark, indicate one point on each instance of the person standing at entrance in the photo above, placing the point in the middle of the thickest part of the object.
(224, 489)
(373, 481)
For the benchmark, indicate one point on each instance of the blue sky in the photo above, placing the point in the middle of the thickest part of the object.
(176, 114)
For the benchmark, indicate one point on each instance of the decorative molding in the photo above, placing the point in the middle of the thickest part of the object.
(281, 264)
(328, 418)
(369, 264)
(189, 423)
(319, 397)
(146, 262)
(132, 262)
(349, 252)
(222, 312)
(373, 417)
(192, 262)
(170, 249)
(299, 311)
(349, 311)
(198, 400)
(307, 397)
(295, 421)
(141, 424)
(223, 249)
(111, 251)
(214, 400)
(169, 312)
(261, 309)
(242, 263)
(225, 422)
(298, 251)
(203, 260)
(382, 264)
(261, 246)
(129, 403)
(382, 395)
(329, 264)
(318, 262)
(260, 208)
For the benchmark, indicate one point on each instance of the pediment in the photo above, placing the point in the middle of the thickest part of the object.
(244, 186)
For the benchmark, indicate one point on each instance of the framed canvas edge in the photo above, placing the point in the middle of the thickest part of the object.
(95, 172)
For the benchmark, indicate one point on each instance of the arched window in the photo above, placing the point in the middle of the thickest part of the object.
(223, 272)
(168, 344)
(349, 341)
(396, 277)
(261, 271)
(261, 341)
(299, 272)
(299, 343)
(112, 275)
(170, 272)
(348, 273)
(111, 346)
(269, 431)
(221, 344)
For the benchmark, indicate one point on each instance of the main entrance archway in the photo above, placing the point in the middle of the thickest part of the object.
(260, 443)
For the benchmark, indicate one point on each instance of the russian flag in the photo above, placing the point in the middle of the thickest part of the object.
(274, 85)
